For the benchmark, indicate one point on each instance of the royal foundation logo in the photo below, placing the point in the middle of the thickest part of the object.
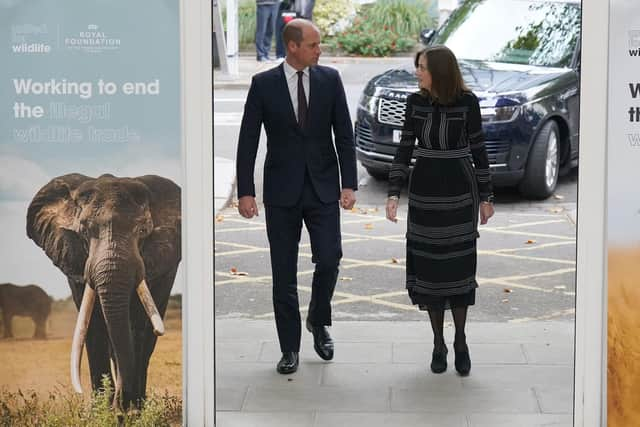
(30, 39)
(634, 43)
(93, 39)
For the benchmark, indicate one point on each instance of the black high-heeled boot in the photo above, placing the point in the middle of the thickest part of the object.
(439, 359)
(463, 361)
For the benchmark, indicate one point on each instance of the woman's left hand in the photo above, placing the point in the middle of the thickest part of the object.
(486, 212)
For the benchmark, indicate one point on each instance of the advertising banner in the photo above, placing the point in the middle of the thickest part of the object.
(90, 207)
(623, 214)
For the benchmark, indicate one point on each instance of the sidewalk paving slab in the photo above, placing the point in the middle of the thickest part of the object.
(380, 377)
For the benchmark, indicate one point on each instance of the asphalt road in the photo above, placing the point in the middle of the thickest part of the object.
(526, 263)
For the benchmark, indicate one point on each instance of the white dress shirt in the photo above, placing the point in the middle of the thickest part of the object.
(292, 81)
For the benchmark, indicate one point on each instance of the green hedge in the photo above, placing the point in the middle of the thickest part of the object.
(246, 23)
(374, 29)
(386, 27)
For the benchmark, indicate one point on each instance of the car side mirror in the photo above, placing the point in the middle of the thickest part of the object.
(426, 35)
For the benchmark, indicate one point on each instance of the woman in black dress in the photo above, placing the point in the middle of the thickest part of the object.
(450, 184)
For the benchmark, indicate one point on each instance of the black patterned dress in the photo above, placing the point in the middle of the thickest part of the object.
(449, 180)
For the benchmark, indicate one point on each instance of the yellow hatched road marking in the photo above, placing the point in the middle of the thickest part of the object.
(529, 224)
(227, 230)
(530, 258)
(526, 233)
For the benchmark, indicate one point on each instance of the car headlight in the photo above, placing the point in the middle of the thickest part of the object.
(499, 110)
(368, 103)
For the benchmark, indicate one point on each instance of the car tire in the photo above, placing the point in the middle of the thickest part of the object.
(379, 174)
(543, 165)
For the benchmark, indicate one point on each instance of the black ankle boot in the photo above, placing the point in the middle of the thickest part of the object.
(439, 359)
(463, 361)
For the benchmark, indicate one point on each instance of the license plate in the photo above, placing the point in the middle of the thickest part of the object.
(396, 135)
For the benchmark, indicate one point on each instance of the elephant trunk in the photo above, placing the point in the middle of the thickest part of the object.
(115, 268)
(115, 307)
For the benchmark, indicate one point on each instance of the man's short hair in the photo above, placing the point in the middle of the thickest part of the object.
(292, 32)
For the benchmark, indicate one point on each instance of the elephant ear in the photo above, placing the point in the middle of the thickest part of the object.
(50, 219)
(161, 250)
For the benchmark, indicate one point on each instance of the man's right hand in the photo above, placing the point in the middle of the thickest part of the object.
(247, 206)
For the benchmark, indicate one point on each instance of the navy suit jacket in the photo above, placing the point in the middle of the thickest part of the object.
(292, 150)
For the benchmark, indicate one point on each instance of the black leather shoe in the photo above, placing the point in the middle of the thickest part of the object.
(463, 362)
(288, 364)
(322, 342)
(439, 360)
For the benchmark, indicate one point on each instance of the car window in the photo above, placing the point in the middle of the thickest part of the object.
(513, 31)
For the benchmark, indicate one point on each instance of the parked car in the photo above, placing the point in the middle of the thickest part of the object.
(521, 58)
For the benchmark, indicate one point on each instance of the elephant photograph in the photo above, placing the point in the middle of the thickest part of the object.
(29, 301)
(118, 242)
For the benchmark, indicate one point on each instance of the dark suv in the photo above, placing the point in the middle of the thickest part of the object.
(521, 58)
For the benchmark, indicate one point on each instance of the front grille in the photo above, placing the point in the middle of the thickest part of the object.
(364, 138)
(391, 112)
(497, 150)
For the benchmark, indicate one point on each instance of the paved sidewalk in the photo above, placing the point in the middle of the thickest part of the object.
(522, 375)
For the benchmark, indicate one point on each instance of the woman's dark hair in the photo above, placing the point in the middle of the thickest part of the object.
(446, 80)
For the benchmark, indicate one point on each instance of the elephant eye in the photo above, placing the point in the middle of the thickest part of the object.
(85, 195)
(139, 196)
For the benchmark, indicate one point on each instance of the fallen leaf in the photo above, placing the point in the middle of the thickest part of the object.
(219, 218)
(373, 210)
(235, 272)
(558, 197)
(507, 291)
(530, 242)
(234, 203)
(556, 210)
(346, 279)
(354, 210)
(394, 261)
(368, 226)
(505, 300)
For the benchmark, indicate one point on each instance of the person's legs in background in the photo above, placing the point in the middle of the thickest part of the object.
(307, 9)
(262, 21)
(280, 49)
(272, 16)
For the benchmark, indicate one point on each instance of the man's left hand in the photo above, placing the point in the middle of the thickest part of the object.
(347, 198)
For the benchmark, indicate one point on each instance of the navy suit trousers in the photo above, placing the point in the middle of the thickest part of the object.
(284, 225)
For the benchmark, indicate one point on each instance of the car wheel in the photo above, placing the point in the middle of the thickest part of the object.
(541, 175)
(379, 174)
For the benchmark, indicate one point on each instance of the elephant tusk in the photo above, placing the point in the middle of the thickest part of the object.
(150, 307)
(79, 335)
(114, 371)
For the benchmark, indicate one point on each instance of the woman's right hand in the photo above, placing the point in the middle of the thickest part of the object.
(392, 210)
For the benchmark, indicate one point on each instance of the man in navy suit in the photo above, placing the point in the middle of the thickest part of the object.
(306, 177)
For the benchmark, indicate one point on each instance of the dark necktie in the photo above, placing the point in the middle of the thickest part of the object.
(302, 102)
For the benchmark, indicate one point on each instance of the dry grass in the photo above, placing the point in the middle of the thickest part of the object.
(623, 370)
(42, 366)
